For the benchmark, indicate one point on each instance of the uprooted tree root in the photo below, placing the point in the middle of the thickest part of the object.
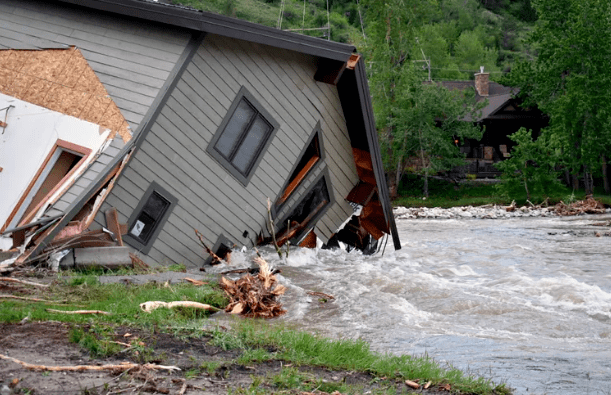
(587, 206)
(254, 296)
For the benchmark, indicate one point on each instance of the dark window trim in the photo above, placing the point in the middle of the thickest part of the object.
(317, 131)
(134, 242)
(243, 93)
(312, 223)
(222, 239)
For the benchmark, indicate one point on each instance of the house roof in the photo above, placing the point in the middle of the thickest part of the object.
(201, 23)
(498, 95)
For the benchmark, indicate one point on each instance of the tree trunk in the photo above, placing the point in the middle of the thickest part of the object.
(393, 187)
(426, 182)
(605, 176)
(588, 182)
(575, 181)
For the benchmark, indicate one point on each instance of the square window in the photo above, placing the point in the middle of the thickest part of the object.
(148, 218)
(243, 136)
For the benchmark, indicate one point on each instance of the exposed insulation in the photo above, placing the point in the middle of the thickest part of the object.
(60, 80)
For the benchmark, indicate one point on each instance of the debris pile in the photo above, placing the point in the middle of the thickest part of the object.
(587, 206)
(254, 296)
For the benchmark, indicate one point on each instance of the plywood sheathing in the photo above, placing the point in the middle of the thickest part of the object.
(61, 80)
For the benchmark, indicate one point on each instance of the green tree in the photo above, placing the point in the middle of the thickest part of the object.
(570, 78)
(430, 124)
(390, 31)
(531, 167)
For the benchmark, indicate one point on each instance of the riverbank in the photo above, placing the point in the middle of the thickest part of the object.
(491, 211)
(183, 351)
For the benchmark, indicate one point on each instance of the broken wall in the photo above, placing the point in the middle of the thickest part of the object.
(28, 139)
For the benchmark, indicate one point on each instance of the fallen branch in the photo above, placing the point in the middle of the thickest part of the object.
(195, 282)
(14, 280)
(79, 311)
(85, 368)
(31, 299)
(323, 295)
(215, 258)
(150, 306)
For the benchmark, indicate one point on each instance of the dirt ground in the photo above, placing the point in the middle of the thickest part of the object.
(47, 343)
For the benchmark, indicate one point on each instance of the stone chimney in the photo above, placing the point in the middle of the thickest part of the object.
(482, 82)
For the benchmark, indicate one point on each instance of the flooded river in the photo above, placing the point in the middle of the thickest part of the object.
(526, 301)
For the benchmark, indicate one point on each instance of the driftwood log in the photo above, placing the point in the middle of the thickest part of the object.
(87, 368)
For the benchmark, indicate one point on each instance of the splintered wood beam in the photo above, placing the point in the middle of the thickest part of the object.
(112, 222)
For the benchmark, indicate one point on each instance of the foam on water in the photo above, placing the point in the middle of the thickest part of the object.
(523, 300)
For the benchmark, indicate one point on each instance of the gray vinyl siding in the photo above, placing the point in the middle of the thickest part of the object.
(210, 199)
(131, 58)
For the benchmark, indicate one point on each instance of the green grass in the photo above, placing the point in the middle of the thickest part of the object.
(258, 340)
(472, 193)
(121, 300)
(304, 348)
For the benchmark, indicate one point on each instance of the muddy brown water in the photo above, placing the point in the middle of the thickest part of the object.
(525, 301)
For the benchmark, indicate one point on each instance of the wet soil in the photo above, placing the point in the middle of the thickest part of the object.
(47, 343)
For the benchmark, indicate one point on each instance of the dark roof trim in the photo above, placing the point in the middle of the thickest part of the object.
(374, 149)
(222, 25)
(140, 134)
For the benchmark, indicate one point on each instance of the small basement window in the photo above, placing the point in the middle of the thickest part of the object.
(243, 136)
(309, 158)
(222, 248)
(148, 218)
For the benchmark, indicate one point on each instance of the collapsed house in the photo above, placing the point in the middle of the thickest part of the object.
(225, 114)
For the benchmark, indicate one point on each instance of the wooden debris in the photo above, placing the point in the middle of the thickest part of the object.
(14, 280)
(427, 385)
(150, 306)
(254, 296)
(412, 384)
(86, 368)
(195, 282)
(320, 294)
(215, 258)
(112, 222)
(138, 263)
(79, 312)
(30, 299)
(587, 206)
(511, 207)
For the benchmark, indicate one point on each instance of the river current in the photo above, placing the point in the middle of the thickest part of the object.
(522, 301)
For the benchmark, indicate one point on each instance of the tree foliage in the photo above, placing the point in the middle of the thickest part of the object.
(413, 119)
(531, 167)
(569, 80)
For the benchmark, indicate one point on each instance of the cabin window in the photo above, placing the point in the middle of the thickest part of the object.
(308, 159)
(148, 218)
(307, 211)
(243, 136)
